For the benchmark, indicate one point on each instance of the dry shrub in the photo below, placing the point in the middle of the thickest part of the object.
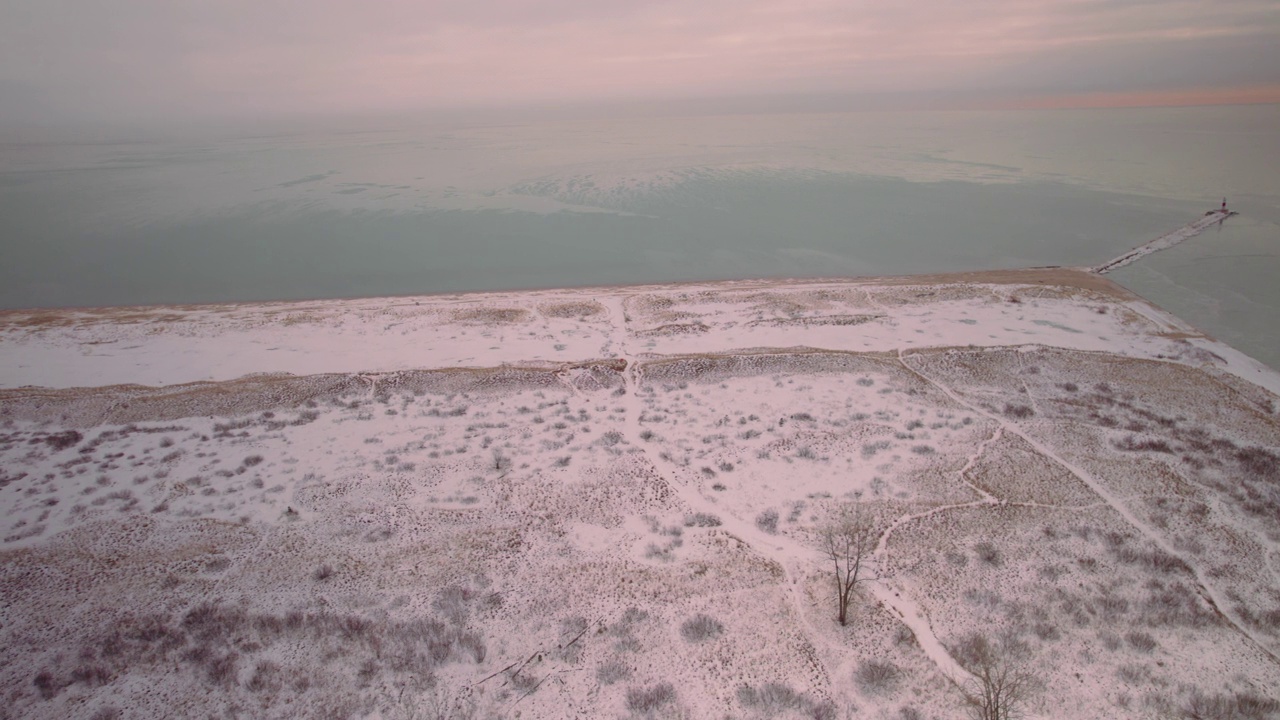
(988, 554)
(1243, 706)
(571, 309)
(214, 641)
(701, 628)
(701, 519)
(768, 521)
(491, 315)
(651, 699)
(1141, 641)
(772, 698)
(1018, 412)
(612, 672)
(876, 676)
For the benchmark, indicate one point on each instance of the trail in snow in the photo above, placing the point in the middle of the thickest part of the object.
(1168, 240)
(792, 556)
(902, 605)
(907, 609)
(781, 550)
(1207, 590)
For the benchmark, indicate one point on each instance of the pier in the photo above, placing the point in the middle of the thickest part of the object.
(1168, 240)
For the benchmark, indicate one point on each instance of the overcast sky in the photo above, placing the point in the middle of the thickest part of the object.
(180, 59)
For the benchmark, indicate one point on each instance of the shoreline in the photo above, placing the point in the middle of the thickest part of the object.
(996, 276)
(164, 345)
(95, 363)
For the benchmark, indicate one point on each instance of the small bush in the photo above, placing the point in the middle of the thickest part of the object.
(870, 449)
(650, 700)
(611, 672)
(62, 440)
(266, 678)
(656, 552)
(1018, 412)
(1176, 605)
(1141, 641)
(773, 698)
(1245, 706)
(224, 671)
(988, 554)
(1110, 641)
(46, 684)
(875, 676)
(1046, 631)
(1156, 559)
(453, 603)
(701, 628)
(701, 520)
(1113, 607)
(974, 651)
(768, 521)
(1132, 444)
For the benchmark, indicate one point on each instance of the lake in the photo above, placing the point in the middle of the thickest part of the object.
(383, 207)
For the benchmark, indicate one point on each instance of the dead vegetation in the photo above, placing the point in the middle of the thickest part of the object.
(241, 654)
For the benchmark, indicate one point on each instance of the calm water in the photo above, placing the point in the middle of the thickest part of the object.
(423, 208)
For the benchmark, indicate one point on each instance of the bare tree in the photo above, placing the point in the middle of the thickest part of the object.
(1001, 684)
(999, 691)
(849, 539)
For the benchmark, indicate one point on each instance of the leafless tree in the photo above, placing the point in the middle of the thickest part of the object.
(849, 539)
(1002, 684)
(999, 692)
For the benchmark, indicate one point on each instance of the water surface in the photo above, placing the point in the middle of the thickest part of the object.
(418, 207)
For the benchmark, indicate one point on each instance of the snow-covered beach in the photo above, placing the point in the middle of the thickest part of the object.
(607, 502)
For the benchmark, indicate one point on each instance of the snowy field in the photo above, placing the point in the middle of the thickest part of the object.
(609, 503)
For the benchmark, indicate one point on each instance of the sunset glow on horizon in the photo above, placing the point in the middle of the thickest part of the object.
(157, 59)
(1190, 97)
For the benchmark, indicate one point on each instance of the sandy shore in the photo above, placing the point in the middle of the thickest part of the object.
(162, 346)
(607, 502)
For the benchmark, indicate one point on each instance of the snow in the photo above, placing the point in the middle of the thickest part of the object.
(563, 479)
(173, 345)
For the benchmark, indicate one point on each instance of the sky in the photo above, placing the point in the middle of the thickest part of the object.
(161, 60)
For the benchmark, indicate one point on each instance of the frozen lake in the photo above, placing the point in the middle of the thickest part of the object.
(380, 208)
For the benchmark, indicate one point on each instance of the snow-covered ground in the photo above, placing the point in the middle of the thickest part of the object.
(607, 503)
